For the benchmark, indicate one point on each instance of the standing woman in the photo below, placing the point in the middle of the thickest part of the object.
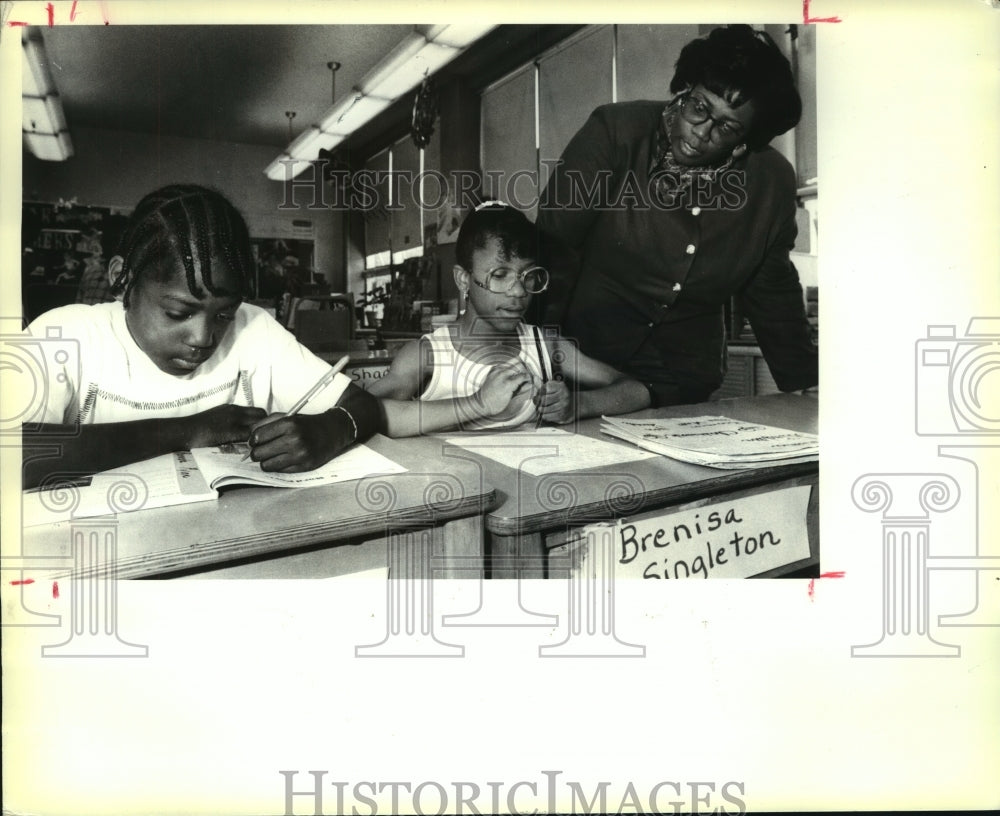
(660, 212)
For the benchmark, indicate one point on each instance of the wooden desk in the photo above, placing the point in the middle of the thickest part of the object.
(535, 513)
(303, 532)
(449, 493)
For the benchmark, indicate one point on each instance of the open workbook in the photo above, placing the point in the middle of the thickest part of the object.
(716, 441)
(185, 477)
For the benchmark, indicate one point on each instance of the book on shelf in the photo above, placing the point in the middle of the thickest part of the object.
(716, 441)
(185, 477)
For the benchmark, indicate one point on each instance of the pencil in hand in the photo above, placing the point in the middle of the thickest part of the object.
(321, 383)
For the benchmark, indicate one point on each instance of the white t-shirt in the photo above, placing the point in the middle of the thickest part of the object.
(94, 372)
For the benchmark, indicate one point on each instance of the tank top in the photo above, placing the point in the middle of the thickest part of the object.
(455, 375)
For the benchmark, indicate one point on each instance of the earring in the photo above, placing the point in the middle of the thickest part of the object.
(462, 295)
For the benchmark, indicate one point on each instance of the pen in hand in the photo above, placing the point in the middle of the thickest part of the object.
(321, 383)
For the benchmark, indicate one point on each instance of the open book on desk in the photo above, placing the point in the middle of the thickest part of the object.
(716, 441)
(184, 477)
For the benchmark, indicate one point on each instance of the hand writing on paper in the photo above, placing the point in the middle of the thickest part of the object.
(224, 423)
(506, 388)
(292, 444)
(555, 403)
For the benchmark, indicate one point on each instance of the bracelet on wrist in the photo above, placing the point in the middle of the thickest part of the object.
(354, 425)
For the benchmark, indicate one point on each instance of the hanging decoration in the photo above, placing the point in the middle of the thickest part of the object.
(425, 109)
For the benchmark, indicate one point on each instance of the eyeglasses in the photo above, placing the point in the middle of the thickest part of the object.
(695, 111)
(501, 280)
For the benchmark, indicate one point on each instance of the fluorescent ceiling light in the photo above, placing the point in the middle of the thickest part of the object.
(420, 54)
(42, 115)
(308, 143)
(286, 167)
(42, 120)
(406, 76)
(49, 146)
(457, 36)
(345, 119)
(36, 78)
(392, 63)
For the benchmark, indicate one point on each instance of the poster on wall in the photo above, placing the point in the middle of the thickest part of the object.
(282, 265)
(65, 249)
(449, 219)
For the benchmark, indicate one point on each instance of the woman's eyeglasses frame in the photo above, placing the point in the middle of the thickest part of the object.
(695, 111)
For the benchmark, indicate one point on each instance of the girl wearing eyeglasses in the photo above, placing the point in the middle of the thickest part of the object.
(662, 212)
(489, 369)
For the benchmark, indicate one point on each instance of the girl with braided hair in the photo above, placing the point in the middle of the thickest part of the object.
(179, 361)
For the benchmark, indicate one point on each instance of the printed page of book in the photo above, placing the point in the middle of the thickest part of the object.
(716, 435)
(225, 466)
(162, 481)
(568, 452)
(710, 458)
(752, 463)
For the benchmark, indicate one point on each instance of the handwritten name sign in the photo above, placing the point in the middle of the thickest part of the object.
(736, 538)
(366, 375)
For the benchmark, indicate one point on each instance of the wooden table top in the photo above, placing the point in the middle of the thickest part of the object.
(357, 357)
(443, 482)
(248, 522)
(530, 504)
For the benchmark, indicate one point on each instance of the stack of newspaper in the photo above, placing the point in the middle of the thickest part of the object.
(716, 441)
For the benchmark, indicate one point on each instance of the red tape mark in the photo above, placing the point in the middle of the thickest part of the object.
(807, 19)
(50, 13)
(812, 581)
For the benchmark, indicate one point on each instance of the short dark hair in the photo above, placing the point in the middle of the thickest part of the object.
(511, 227)
(741, 64)
(171, 227)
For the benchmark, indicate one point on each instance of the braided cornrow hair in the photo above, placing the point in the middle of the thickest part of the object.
(190, 227)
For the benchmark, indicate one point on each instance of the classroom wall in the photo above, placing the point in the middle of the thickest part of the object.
(112, 168)
(495, 129)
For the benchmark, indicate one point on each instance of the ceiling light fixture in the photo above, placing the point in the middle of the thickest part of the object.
(420, 54)
(43, 124)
